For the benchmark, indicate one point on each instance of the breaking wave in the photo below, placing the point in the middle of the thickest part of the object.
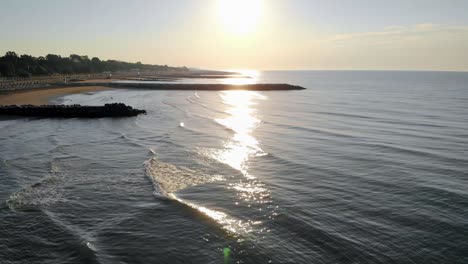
(169, 179)
(37, 195)
(40, 194)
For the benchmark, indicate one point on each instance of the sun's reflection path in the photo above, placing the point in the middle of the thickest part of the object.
(242, 120)
(237, 151)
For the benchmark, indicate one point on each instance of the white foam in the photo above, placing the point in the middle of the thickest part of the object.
(37, 195)
(170, 178)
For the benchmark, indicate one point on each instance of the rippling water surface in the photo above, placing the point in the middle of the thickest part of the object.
(362, 167)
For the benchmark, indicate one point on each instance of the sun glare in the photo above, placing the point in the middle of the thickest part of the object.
(239, 16)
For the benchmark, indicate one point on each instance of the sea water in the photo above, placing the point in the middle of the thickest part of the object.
(361, 167)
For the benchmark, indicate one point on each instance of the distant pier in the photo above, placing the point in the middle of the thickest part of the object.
(207, 87)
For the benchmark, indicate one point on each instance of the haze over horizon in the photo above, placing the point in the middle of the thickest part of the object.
(243, 34)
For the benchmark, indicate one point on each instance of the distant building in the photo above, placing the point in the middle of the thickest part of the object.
(135, 71)
(107, 73)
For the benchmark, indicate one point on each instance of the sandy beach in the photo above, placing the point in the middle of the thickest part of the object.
(43, 96)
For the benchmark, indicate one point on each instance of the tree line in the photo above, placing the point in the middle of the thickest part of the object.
(13, 65)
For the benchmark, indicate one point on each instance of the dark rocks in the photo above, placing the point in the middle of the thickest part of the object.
(70, 111)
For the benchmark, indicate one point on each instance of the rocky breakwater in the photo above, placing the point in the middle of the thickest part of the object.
(70, 111)
(206, 87)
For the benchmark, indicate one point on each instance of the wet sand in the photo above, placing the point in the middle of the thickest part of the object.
(44, 96)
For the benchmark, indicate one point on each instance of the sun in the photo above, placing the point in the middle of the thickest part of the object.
(239, 16)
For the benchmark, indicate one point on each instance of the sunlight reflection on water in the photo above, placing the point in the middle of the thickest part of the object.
(242, 120)
(234, 226)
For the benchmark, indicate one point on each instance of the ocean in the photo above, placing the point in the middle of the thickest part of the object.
(361, 167)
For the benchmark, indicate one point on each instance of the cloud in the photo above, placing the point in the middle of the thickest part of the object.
(415, 47)
(414, 30)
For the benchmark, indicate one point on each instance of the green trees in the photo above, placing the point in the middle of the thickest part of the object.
(12, 65)
(7, 64)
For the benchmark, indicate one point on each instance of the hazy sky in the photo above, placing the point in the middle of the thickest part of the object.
(282, 34)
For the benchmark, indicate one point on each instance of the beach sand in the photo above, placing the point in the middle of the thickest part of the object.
(43, 96)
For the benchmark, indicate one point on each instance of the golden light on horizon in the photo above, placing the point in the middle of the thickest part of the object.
(249, 77)
(239, 16)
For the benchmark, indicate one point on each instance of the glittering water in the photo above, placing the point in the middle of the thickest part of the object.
(362, 167)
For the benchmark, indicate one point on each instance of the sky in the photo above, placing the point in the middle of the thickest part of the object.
(245, 34)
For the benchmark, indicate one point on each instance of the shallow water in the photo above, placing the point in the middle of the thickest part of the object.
(362, 167)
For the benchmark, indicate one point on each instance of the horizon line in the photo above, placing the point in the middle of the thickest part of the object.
(350, 70)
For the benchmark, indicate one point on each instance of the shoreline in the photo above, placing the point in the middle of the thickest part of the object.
(43, 96)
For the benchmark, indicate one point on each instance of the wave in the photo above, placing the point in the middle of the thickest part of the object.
(37, 195)
(199, 132)
(190, 100)
(77, 239)
(318, 131)
(8, 122)
(406, 150)
(345, 115)
(169, 179)
(212, 109)
(175, 106)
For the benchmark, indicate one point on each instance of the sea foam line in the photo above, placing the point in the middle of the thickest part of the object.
(168, 179)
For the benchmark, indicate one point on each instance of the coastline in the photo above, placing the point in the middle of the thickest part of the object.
(46, 95)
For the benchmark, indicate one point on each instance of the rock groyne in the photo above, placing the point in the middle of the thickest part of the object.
(70, 111)
(206, 87)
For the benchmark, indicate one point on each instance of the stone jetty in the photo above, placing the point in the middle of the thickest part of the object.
(206, 87)
(70, 111)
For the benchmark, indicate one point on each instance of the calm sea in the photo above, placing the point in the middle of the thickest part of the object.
(362, 167)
